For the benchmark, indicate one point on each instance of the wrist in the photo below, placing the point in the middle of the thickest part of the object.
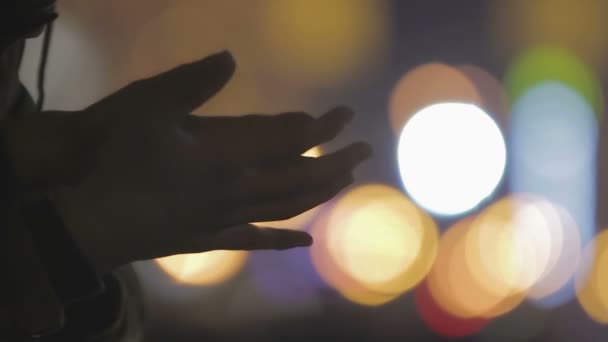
(100, 249)
(41, 149)
(69, 269)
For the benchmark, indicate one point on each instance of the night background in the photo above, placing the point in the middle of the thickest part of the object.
(479, 218)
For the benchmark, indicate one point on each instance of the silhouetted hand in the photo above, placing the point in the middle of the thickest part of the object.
(164, 182)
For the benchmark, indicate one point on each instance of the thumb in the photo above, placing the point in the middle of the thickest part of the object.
(250, 237)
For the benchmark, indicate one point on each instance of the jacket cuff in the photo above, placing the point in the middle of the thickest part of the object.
(72, 275)
(26, 290)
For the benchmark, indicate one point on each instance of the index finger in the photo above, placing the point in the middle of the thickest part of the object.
(176, 92)
(257, 139)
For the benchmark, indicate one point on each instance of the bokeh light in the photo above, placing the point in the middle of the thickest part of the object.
(426, 85)
(578, 26)
(546, 63)
(304, 219)
(189, 30)
(452, 156)
(565, 256)
(461, 284)
(440, 321)
(319, 43)
(553, 146)
(375, 244)
(592, 280)
(493, 98)
(209, 268)
(521, 246)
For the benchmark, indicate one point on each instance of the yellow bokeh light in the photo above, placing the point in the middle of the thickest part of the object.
(513, 243)
(592, 280)
(188, 30)
(578, 26)
(376, 244)
(320, 42)
(426, 85)
(209, 268)
(305, 218)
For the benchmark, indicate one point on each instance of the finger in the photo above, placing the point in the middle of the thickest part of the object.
(283, 209)
(176, 92)
(249, 237)
(298, 174)
(261, 139)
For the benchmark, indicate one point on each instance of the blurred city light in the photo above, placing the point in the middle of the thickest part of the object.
(553, 155)
(319, 43)
(209, 268)
(493, 98)
(461, 284)
(375, 244)
(452, 156)
(188, 30)
(426, 85)
(578, 26)
(546, 63)
(440, 321)
(565, 256)
(592, 279)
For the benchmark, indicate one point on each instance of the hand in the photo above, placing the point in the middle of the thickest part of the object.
(167, 182)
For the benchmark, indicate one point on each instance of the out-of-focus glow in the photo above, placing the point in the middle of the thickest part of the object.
(440, 321)
(301, 221)
(592, 281)
(426, 85)
(553, 152)
(554, 132)
(321, 42)
(377, 244)
(187, 30)
(464, 289)
(492, 95)
(565, 255)
(510, 245)
(332, 274)
(544, 64)
(452, 156)
(209, 268)
(578, 26)
(520, 246)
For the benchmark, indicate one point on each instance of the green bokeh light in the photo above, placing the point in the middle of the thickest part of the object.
(551, 63)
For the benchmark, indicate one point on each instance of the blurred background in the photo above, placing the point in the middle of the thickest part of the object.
(480, 217)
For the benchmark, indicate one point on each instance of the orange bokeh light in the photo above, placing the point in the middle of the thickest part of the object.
(209, 268)
(426, 85)
(592, 279)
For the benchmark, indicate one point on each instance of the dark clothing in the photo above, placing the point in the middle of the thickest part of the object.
(30, 303)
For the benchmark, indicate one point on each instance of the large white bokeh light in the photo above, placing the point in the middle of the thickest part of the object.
(452, 156)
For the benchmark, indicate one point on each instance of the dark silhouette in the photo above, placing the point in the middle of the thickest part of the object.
(136, 177)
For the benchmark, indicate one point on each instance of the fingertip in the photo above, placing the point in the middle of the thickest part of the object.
(341, 115)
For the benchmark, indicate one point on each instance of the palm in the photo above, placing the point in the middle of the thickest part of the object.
(167, 182)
